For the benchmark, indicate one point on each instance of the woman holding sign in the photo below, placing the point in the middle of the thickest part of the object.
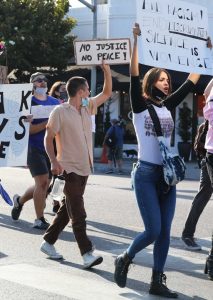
(156, 200)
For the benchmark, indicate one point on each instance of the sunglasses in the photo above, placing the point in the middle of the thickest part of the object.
(39, 80)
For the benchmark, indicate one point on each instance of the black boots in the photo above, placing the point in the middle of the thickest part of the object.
(209, 267)
(209, 264)
(158, 286)
(122, 263)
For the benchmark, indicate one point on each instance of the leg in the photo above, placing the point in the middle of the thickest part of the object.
(110, 161)
(199, 202)
(39, 196)
(74, 190)
(161, 246)
(59, 222)
(28, 195)
(18, 202)
(145, 182)
(39, 166)
(209, 164)
(146, 176)
(118, 157)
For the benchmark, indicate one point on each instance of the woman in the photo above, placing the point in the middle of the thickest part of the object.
(58, 90)
(156, 201)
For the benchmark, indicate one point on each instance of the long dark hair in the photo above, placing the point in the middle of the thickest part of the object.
(150, 78)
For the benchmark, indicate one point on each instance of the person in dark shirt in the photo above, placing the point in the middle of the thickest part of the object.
(37, 160)
(204, 194)
(115, 152)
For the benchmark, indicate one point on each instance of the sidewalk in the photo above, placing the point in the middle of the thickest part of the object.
(192, 169)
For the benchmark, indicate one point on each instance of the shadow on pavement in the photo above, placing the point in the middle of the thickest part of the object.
(20, 225)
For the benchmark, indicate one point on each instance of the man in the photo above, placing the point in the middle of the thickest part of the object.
(70, 124)
(115, 152)
(204, 194)
(37, 160)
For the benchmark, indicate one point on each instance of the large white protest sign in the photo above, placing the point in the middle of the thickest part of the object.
(15, 103)
(42, 111)
(174, 35)
(116, 51)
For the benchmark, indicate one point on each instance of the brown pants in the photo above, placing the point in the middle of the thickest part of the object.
(72, 208)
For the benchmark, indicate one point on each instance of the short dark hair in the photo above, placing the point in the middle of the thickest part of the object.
(74, 84)
(151, 77)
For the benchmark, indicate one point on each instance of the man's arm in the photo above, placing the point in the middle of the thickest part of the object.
(107, 88)
(56, 168)
(35, 128)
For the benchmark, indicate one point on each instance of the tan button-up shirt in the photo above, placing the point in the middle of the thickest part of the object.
(73, 136)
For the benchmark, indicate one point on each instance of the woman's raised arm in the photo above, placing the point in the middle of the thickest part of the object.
(134, 68)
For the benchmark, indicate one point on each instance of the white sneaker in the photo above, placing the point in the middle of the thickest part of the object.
(50, 250)
(91, 260)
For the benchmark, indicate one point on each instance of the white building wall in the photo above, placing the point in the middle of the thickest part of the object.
(116, 19)
(121, 18)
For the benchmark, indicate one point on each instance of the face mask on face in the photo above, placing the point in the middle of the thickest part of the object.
(84, 102)
(64, 96)
(41, 90)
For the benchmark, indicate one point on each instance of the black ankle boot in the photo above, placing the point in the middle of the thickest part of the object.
(209, 267)
(209, 263)
(158, 286)
(122, 263)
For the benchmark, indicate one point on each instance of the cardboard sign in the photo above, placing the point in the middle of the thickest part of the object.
(42, 111)
(174, 35)
(93, 52)
(15, 103)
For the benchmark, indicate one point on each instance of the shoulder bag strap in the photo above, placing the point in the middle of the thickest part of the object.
(155, 120)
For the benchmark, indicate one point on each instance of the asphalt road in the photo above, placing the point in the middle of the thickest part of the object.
(113, 221)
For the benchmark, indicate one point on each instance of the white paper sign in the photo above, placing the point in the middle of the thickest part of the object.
(116, 51)
(41, 111)
(174, 35)
(15, 102)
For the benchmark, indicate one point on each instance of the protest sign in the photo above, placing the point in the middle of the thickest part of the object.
(93, 52)
(174, 36)
(15, 103)
(42, 111)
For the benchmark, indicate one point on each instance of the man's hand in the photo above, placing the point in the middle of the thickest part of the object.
(105, 67)
(29, 119)
(56, 168)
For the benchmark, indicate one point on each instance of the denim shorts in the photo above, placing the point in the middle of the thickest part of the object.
(38, 162)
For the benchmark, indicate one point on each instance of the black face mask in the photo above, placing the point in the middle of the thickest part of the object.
(64, 96)
(156, 93)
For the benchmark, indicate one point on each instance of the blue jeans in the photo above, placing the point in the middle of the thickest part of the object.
(157, 206)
